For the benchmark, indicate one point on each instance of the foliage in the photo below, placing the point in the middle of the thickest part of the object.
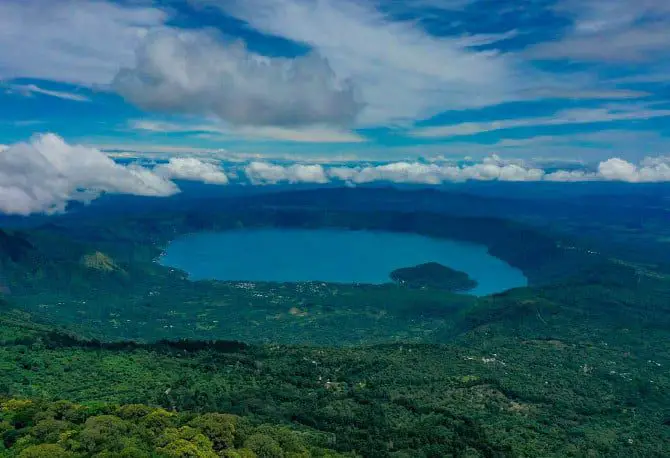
(117, 434)
(107, 353)
(433, 275)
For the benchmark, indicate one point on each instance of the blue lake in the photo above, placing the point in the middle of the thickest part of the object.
(330, 255)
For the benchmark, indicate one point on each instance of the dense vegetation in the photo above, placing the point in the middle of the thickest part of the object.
(61, 429)
(490, 393)
(92, 346)
(435, 276)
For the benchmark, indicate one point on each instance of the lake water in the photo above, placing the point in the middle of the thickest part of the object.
(337, 255)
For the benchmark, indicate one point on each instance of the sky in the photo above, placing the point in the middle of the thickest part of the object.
(537, 84)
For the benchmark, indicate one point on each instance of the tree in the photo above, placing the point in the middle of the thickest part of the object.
(45, 451)
(289, 442)
(133, 411)
(104, 432)
(49, 430)
(157, 421)
(185, 442)
(264, 446)
(219, 428)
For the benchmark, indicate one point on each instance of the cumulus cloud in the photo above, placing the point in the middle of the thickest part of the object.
(399, 172)
(489, 169)
(650, 171)
(42, 175)
(196, 72)
(192, 169)
(567, 176)
(416, 172)
(260, 173)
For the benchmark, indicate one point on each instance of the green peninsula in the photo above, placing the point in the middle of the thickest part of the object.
(433, 275)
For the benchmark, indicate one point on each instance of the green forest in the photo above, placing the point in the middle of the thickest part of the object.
(434, 276)
(106, 353)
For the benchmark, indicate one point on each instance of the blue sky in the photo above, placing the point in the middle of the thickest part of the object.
(553, 80)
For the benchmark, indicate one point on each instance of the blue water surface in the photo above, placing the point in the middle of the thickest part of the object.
(331, 255)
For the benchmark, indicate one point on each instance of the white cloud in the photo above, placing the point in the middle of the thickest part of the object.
(41, 176)
(195, 72)
(610, 113)
(171, 127)
(310, 134)
(650, 171)
(30, 89)
(260, 173)
(400, 172)
(492, 168)
(153, 150)
(402, 72)
(571, 176)
(346, 174)
(81, 42)
(416, 172)
(192, 169)
(633, 30)
(307, 134)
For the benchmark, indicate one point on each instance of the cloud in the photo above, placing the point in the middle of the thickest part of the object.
(41, 176)
(311, 134)
(158, 151)
(433, 174)
(633, 31)
(399, 172)
(444, 5)
(402, 72)
(260, 173)
(170, 127)
(651, 171)
(44, 174)
(307, 134)
(71, 41)
(492, 168)
(608, 113)
(30, 89)
(196, 72)
(192, 169)
(567, 176)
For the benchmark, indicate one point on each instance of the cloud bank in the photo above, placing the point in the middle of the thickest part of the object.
(42, 175)
(651, 170)
(192, 169)
(196, 72)
(261, 173)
